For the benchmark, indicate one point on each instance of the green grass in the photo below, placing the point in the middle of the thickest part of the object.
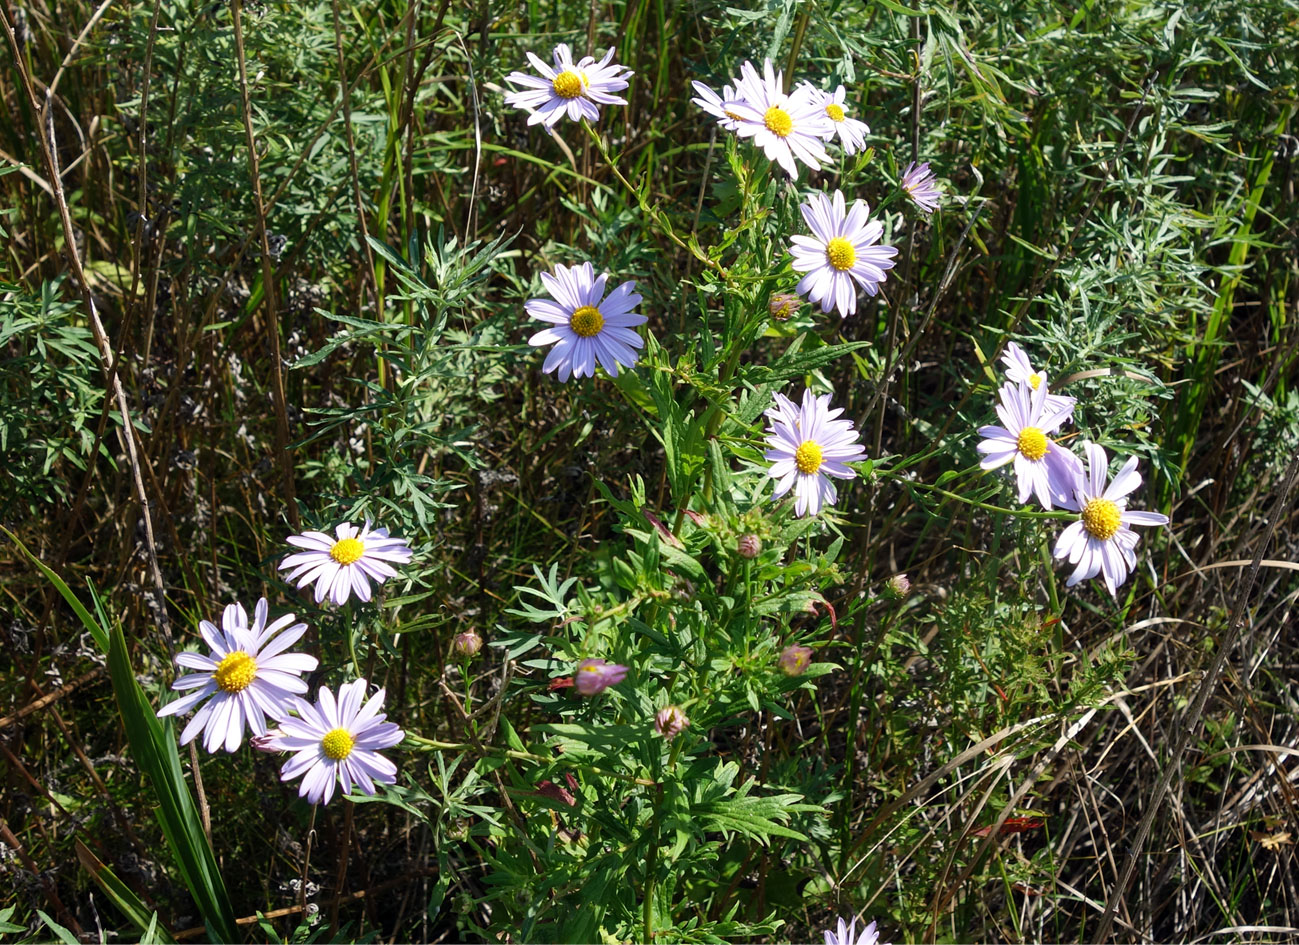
(1119, 183)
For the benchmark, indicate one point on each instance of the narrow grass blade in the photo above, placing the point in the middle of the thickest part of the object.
(127, 902)
(153, 746)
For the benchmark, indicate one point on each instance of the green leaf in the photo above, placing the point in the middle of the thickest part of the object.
(153, 746)
(127, 902)
(63, 934)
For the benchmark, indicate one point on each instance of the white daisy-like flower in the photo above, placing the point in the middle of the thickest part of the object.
(786, 127)
(846, 934)
(575, 89)
(248, 675)
(337, 740)
(808, 445)
(346, 563)
(1019, 369)
(586, 326)
(918, 181)
(719, 106)
(841, 255)
(1042, 466)
(1102, 541)
(851, 132)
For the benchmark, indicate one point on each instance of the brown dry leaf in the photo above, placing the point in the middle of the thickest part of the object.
(1272, 841)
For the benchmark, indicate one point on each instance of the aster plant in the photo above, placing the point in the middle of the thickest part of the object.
(1102, 541)
(842, 256)
(1042, 466)
(346, 563)
(247, 676)
(921, 188)
(585, 326)
(336, 740)
(576, 89)
(808, 446)
(789, 128)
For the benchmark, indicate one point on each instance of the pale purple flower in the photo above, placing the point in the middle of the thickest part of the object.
(719, 106)
(1019, 369)
(841, 255)
(1102, 541)
(1042, 466)
(788, 128)
(586, 327)
(794, 660)
(808, 445)
(918, 181)
(248, 675)
(337, 740)
(846, 934)
(851, 132)
(670, 722)
(346, 563)
(575, 89)
(595, 676)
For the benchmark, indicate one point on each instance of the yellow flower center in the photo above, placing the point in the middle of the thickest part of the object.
(347, 551)
(730, 114)
(1101, 518)
(337, 743)
(235, 672)
(778, 121)
(586, 321)
(834, 111)
(1035, 381)
(567, 85)
(840, 253)
(808, 457)
(1032, 443)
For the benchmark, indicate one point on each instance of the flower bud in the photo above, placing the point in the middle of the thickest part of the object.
(794, 660)
(748, 546)
(670, 721)
(784, 306)
(466, 644)
(899, 585)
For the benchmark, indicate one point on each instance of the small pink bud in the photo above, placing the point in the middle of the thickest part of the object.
(783, 306)
(670, 721)
(748, 546)
(899, 585)
(466, 644)
(794, 660)
(268, 742)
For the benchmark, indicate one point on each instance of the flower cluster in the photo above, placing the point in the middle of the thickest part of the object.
(249, 677)
(789, 128)
(1101, 541)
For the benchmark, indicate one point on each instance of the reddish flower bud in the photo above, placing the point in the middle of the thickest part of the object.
(467, 644)
(748, 546)
(784, 306)
(899, 585)
(670, 721)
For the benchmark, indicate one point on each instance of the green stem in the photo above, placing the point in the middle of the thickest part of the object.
(419, 743)
(1017, 513)
(665, 227)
